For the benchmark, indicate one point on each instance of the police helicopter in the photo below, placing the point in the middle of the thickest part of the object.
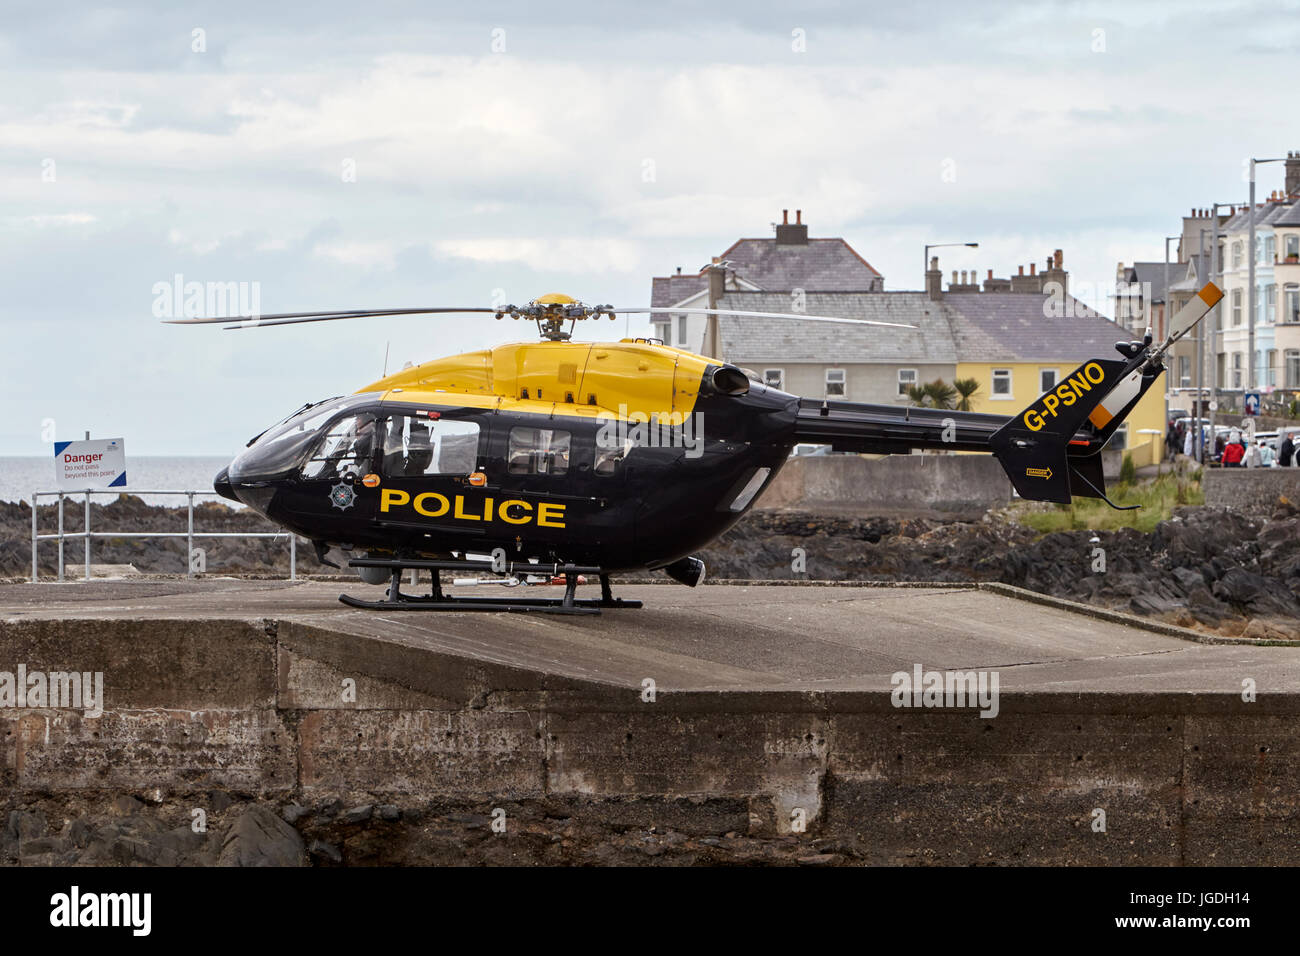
(569, 459)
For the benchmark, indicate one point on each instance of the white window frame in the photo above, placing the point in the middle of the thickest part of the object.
(1292, 245)
(1291, 302)
(1056, 379)
(994, 394)
(683, 329)
(903, 384)
(780, 378)
(842, 381)
(1236, 307)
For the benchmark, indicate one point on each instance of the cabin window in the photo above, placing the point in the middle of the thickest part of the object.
(1001, 383)
(416, 445)
(538, 451)
(774, 377)
(906, 380)
(344, 449)
(835, 383)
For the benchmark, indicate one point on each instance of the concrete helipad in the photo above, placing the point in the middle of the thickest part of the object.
(729, 637)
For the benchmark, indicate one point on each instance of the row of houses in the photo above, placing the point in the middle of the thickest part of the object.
(1015, 336)
(1143, 296)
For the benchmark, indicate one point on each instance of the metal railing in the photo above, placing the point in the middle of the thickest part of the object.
(189, 534)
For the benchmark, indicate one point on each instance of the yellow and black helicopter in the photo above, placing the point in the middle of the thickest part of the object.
(569, 458)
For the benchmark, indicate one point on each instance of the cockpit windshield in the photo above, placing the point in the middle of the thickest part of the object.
(282, 447)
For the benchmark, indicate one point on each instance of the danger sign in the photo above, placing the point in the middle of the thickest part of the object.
(90, 465)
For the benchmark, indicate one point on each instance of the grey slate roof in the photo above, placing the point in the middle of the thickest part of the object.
(963, 327)
(752, 340)
(669, 290)
(1291, 217)
(1014, 326)
(1191, 274)
(823, 265)
(1154, 273)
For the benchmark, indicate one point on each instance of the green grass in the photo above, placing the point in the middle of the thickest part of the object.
(1157, 498)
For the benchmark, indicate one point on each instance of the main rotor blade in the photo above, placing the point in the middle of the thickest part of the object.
(774, 315)
(289, 318)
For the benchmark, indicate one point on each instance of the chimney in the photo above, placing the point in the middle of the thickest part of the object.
(934, 280)
(1056, 272)
(1293, 174)
(996, 285)
(679, 270)
(792, 235)
(1033, 268)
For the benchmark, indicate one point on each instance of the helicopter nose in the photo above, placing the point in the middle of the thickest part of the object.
(222, 486)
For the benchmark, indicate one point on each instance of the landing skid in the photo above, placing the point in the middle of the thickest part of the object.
(437, 601)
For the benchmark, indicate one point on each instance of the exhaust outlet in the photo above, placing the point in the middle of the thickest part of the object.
(688, 571)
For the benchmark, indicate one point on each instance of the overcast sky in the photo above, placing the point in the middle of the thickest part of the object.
(347, 155)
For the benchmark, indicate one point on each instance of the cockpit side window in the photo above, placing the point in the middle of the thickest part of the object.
(345, 449)
(417, 445)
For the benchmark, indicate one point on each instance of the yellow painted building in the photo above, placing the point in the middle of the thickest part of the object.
(1008, 387)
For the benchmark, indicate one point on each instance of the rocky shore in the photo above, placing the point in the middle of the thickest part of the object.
(224, 829)
(1211, 569)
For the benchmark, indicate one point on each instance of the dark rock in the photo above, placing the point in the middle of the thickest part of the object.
(358, 814)
(387, 811)
(260, 838)
(126, 805)
(79, 834)
(27, 825)
(1187, 579)
(820, 859)
(327, 850)
(293, 813)
(219, 800)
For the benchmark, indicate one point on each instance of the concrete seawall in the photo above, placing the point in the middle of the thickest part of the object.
(778, 711)
(1251, 490)
(958, 486)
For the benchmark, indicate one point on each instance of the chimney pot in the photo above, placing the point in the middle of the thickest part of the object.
(1022, 270)
(798, 217)
(1033, 268)
(679, 270)
(990, 273)
(1060, 260)
(785, 217)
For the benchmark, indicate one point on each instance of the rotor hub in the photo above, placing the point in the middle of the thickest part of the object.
(553, 312)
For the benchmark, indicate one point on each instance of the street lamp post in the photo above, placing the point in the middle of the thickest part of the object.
(1212, 320)
(1250, 288)
(940, 245)
(1166, 331)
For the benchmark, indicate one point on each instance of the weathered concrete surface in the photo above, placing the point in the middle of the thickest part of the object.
(1251, 490)
(772, 699)
(945, 486)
